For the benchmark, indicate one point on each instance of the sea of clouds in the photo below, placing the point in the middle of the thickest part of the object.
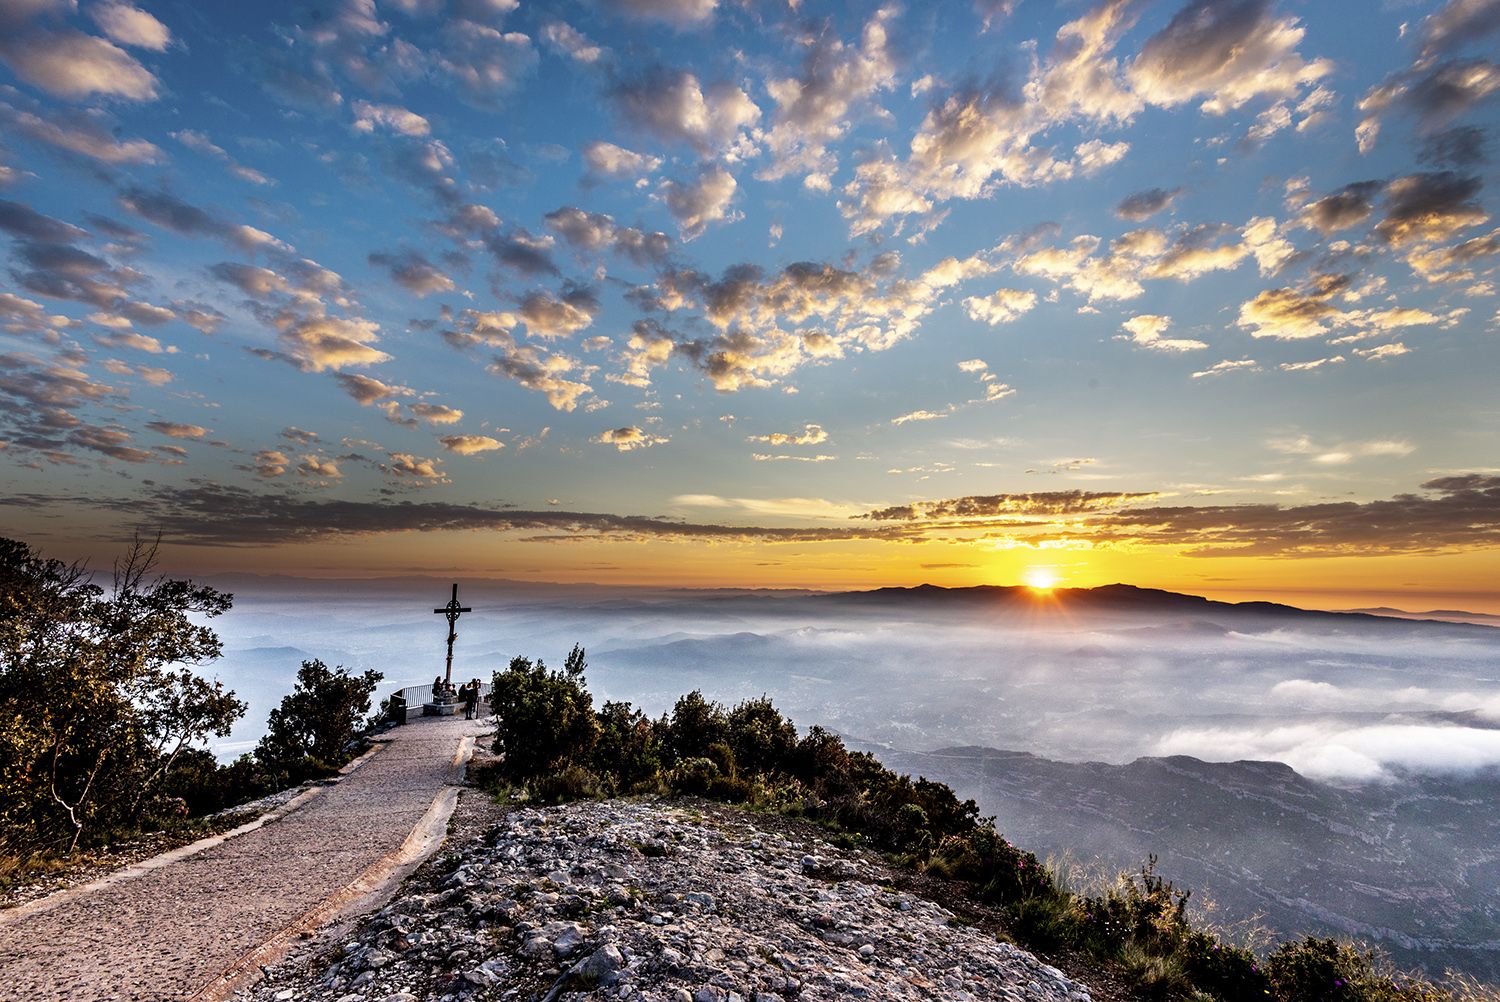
(1337, 700)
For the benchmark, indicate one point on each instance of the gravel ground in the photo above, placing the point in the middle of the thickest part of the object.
(656, 902)
(171, 931)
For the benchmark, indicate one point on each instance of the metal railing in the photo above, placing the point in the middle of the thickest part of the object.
(407, 703)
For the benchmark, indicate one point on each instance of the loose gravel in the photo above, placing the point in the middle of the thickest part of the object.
(659, 902)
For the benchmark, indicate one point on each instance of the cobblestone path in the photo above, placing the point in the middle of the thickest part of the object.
(174, 930)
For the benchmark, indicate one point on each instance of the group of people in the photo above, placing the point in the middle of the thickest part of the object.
(467, 694)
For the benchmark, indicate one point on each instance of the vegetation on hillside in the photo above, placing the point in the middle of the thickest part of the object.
(103, 716)
(555, 747)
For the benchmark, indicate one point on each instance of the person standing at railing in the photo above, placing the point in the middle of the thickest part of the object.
(471, 700)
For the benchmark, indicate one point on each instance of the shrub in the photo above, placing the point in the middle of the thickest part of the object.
(573, 782)
(693, 776)
(314, 730)
(696, 723)
(1000, 873)
(546, 718)
(763, 740)
(1325, 970)
(627, 753)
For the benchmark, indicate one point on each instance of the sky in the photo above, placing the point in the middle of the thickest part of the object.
(715, 293)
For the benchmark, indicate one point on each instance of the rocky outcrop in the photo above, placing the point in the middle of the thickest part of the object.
(660, 901)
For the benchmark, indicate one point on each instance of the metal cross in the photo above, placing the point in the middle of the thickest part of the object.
(452, 610)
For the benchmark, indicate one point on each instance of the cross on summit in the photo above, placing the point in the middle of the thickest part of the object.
(452, 610)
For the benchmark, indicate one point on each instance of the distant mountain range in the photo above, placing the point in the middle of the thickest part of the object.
(1411, 866)
(1125, 599)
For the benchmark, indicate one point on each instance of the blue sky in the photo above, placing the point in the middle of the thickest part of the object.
(1202, 281)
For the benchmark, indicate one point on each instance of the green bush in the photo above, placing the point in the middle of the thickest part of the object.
(627, 753)
(693, 776)
(316, 728)
(695, 724)
(572, 782)
(1000, 873)
(1325, 970)
(545, 718)
(762, 739)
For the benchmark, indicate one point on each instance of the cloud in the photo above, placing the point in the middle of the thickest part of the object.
(815, 108)
(1001, 306)
(1228, 366)
(1425, 208)
(413, 272)
(405, 466)
(917, 416)
(549, 316)
(597, 231)
(1334, 751)
(207, 512)
(1351, 204)
(81, 135)
(19, 315)
(436, 413)
(1435, 92)
(763, 457)
(1231, 52)
(569, 41)
(320, 467)
(485, 61)
(1293, 314)
(771, 324)
(200, 141)
(991, 506)
(24, 221)
(811, 434)
(270, 463)
(675, 107)
(1309, 366)
(532, 367)
(695, 204)
(1144, 204)
(131, 26)
(628, 438)
(617, 161)
(368, 117)
(73, 64)
(320, 343)
(680, 12)
(1146, 331)
(367, 390)
(470, 445)
(172, 213)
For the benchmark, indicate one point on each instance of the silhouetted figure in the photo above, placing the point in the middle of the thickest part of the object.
(471, 700)
(437, 689)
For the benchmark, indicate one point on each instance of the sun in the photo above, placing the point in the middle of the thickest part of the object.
(1040, 578)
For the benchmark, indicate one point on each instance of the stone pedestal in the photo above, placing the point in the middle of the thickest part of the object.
(442, 709)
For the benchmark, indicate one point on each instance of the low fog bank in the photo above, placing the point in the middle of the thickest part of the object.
(1125, 725)
(1343, 699)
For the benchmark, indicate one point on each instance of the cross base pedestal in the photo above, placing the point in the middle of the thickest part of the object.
(440, 709)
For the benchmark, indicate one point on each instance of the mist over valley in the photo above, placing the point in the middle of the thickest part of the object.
(1331, 773)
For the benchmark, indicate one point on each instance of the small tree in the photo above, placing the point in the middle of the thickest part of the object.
(96, 705)
(763, 740)
(313, 728)
(697, 725)
(545, 718)
(628, 749)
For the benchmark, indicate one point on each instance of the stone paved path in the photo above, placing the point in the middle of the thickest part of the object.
(171, 932)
